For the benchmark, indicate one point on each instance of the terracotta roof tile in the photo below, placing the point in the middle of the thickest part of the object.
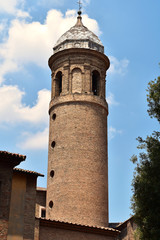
(75, 226)
(27, 172)
(5, 153)
(114, 225)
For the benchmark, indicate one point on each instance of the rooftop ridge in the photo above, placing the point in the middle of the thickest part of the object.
(27, 171)
(79, 225)
(13, 154)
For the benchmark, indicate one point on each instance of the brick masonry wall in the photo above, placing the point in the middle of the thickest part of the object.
(36, 230)
(16, 216)
(49, 233)
(78, 190)
(5, 196)
(83, 62)
(127, 233)
(30, 200)
(40, 201)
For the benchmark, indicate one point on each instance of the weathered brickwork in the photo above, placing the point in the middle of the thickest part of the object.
(79, 160)
(36, 230)
(40, 201)
(5, 196)
(67, 231)
(62, 234)
(16, 215)
(127, 229)
(30, 200)
(7, 162)
(78, 191)
(85, 62)
(22, 206)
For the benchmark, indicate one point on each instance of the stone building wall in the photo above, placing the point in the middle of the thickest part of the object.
(77, 187)
(22, 205)
(5, 196)
(49, 230)
(16, 215)
(30, 200)
(40, 201)
(62, 234)
(77, 67)
(127, 229)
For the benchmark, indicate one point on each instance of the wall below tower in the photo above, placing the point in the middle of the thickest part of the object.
(5, 196)
(62, 234)
(22, 207)
(49, 230)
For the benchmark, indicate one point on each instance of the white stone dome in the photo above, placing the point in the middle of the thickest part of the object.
(79, 36)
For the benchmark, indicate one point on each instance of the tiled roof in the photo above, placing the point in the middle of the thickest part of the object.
(79, 227)
(27, 172)
(15, 155)
(123, 224)
(114, 225)
(79, 33)
(79, 36)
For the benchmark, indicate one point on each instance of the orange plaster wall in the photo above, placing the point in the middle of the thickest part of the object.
(16, 216)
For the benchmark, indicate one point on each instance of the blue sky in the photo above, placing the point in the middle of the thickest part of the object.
(130, 33)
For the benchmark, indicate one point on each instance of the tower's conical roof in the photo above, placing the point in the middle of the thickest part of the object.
(78, 36)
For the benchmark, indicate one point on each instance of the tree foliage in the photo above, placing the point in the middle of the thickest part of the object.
(153, 98)
(146, 181)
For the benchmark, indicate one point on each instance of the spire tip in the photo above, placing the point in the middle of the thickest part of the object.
(80, 7)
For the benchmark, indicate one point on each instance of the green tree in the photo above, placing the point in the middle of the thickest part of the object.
(146, 180)
(153, 98)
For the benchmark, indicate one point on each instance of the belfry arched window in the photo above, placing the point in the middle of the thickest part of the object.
(95, 83)
(58, 84)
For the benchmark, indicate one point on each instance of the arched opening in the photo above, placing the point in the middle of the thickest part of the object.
(58, 84)
(54, 116)
(51, 204)
(53, 144)
(52, 173)
(95, 83)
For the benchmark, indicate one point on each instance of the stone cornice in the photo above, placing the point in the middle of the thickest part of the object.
(79, 51)
(78, 98)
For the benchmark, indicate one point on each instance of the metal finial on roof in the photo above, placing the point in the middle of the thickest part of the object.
(80, 7)
(79, 18)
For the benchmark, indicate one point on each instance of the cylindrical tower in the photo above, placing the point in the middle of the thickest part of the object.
(77, 186)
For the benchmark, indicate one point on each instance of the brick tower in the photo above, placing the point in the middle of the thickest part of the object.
(77, 185)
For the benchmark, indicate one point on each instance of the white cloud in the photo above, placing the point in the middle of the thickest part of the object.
(118, 66)
(2, 26)
(85, 2)
(91, 24)
(111, 99)
(13, 7)
(113, 132)
(13, 111)
(33, 42)
(35, 141)
(22, 14)
(8, 6)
